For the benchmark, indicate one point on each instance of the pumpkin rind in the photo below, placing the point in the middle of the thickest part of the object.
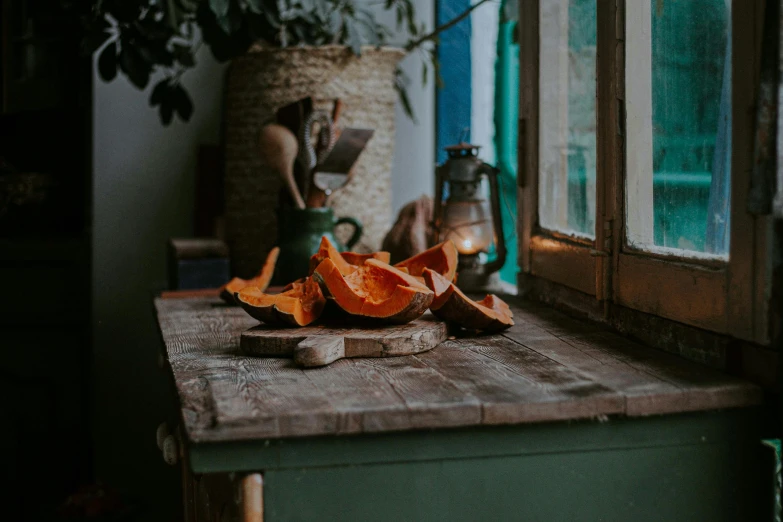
(261, 281)
(302, 304)
(491, 314)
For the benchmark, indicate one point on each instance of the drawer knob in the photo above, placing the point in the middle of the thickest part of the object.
(170, 450)
(161, 433)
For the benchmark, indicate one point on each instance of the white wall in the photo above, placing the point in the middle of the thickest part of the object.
(143, 183)
(413, 171)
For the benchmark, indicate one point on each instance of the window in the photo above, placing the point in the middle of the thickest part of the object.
(678, 121)
(567, 135)
(635, 154)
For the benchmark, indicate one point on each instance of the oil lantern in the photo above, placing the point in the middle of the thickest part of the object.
(468, 218)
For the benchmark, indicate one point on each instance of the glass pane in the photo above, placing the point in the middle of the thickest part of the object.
(567, 84)
(678, 105)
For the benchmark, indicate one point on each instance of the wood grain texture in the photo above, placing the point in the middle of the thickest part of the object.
(687, 293)
(320, 345)
(563, 262)
(528, 138)
(546, 367)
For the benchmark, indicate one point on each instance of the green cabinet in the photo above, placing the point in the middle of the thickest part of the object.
(686, 467)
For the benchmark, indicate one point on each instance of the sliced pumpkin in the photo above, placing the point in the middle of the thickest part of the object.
(357, 259)
(442, 258)
(491, 314)
(328, 251)
(345, 261)
(299, 306)
(375, 290)
(261, 281)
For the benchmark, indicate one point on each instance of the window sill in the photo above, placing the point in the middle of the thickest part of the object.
(745, 359)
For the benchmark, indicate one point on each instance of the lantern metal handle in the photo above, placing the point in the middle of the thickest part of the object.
(500, 240)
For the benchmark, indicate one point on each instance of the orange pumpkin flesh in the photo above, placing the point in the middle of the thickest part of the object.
(357, 259)
(490, 314)
(442, 258)
(345, 261)
(376, 290)
(229, 290)
(328, 251)
(299, 306)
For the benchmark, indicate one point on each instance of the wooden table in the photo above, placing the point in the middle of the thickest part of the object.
(556, 419)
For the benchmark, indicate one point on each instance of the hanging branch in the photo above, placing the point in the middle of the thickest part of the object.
(451, 23)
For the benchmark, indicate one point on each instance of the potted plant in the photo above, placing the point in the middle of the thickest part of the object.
(281, 51)
(138, 37)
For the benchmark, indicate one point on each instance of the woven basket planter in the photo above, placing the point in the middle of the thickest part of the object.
(264, 80)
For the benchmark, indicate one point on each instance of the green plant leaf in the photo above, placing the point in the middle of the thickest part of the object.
(402, 91)
(335, 24)
(256, 6)
(223, 46)
(228, 16)
(107, 62)
(184, 55)
(159, 93)
(134, 66)
(155, 52)
(219, 7)
(224, 22)
(182, 103)
(401, 82)
(320, 8)
(375, 31)
(166, 111)
(354, 39)
(413, 30)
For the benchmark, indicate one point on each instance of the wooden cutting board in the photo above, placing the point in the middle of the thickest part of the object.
(321, 345)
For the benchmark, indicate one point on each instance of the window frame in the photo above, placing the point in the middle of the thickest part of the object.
(542, 253)
(726, 297)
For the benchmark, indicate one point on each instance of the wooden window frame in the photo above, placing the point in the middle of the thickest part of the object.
(550, 255)
(726, 297)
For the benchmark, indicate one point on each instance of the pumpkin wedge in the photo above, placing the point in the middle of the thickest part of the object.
(261, 281)
(491, 314)
(298, 306)
(357, 259)
(374, 290)
(442, 258)
(345, 261)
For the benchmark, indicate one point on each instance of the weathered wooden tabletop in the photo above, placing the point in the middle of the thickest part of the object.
(547, 367)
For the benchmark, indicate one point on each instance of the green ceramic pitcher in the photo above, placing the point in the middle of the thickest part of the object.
(299, 235)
